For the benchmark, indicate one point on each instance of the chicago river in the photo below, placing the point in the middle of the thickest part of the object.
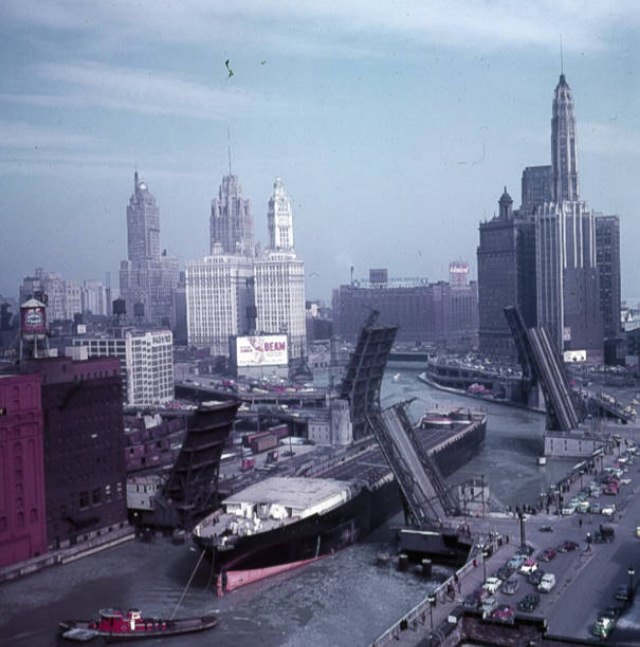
(343, 599)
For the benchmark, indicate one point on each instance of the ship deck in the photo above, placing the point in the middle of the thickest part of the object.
(371, 466)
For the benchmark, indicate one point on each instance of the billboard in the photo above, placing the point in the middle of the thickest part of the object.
(262, 350)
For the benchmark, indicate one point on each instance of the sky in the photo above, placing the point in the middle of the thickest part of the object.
(394, 125)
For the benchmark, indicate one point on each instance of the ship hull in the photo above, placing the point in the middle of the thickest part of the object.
(305, 540)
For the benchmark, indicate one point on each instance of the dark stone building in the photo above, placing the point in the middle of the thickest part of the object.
(425, 313)
(506, 277)
(84, 463)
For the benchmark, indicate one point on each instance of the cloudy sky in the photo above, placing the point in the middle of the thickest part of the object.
(393, 124)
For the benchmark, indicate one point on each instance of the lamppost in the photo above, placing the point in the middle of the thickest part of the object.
(631, 572)
(432, 603)
(523, 538)
(485, 554)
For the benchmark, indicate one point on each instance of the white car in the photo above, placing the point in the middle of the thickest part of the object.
(492, 584)
(528, 566)
(609, 510)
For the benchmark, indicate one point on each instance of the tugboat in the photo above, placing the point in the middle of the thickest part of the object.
(115, 625)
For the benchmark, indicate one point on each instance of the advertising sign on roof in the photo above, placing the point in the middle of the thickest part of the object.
(263, 350)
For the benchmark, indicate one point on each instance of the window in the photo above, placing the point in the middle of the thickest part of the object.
(84, 499)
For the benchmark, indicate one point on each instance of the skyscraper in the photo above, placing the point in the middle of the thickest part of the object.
(568, 291)
(279, 273)
(608, 260)
(149, 277)
(506, 271)
(143, 223)
(564, 158)
(231, 225)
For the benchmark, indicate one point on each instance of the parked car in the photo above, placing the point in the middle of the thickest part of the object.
(547, 583)
(492, 584)
(528, 566)
(529, 602)
(489, 606)
(547, 555)
(511, 585)
(609, 510)
(504, 612)
(504, 572)
(567, 546)
(536, 577)
(603, 627)
(526, 549)
(595, 508)
(516, 561)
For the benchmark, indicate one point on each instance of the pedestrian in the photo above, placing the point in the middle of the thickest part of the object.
(580, 523)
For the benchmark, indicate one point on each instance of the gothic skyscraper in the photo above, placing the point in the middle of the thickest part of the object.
(231, 225)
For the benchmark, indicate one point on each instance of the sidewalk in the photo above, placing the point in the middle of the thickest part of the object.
(66, 555)
(415, 626)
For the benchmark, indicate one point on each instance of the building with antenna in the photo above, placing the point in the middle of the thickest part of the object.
(554, 258)
(238, 291)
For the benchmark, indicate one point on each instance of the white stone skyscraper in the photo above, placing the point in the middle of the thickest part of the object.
(564, 157)
(568, 293)
(279, 278)
(220, 300)
(148, 279)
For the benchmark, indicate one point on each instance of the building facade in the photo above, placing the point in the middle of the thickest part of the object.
(61, 297)
(84, 464)
(236, 291)
(23, 514)
(220, 298)
(279, 278)
(146, 362)
(568, 290)
(608, 261)
(148, 278)
(506, 277)
(425, 313)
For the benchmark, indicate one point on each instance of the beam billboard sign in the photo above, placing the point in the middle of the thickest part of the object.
(263, 350)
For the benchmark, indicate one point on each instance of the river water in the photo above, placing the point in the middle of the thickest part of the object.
(342, 600)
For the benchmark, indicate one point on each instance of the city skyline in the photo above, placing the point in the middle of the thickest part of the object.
(379, 119)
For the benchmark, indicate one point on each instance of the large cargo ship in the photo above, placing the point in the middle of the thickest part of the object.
(281, 523)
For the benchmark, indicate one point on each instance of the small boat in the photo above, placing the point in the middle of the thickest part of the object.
(115, 625)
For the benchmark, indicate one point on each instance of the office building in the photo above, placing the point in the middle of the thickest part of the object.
(84, 466)
(148, 278)
(279, 278)
(146, 362)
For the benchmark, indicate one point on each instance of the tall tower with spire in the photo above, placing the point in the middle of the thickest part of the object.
(148, 278)
(280, 296)
(280, 218)
(564, 158)
(568, 293)
(143, 223)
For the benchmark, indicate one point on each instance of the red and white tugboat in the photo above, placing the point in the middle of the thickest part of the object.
(115, 625)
